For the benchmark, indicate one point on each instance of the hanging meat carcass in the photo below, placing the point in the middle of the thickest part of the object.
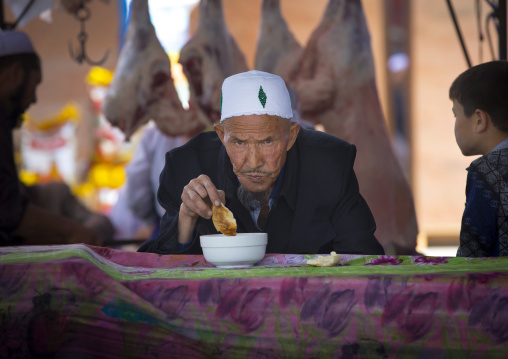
(335, 82)
(143, 88)
(277, 49)
(210, 56)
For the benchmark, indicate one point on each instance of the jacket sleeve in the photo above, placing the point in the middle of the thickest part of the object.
(12, 202)
(352, 219)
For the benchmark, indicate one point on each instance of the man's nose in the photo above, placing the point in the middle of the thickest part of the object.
(254, 157)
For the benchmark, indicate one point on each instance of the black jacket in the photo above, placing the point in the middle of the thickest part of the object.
(12, 202)
(318, 209)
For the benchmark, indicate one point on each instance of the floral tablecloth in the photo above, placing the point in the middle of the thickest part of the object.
(78, 301)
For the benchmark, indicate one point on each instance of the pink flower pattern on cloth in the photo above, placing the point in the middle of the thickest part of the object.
(83, 301)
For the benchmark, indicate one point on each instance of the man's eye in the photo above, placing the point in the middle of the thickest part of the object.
(238, 142)
(268, 140)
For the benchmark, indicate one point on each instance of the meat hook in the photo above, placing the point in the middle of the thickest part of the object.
(82, 14)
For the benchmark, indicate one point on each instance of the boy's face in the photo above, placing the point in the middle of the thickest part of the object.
(464, 130)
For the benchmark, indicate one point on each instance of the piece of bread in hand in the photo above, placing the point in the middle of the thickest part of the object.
(328, 261)
(223, 220)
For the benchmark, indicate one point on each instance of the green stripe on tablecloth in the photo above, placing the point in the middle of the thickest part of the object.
(355, 267)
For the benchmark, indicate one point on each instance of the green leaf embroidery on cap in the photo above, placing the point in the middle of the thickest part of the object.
(221, 103)
(262, 96)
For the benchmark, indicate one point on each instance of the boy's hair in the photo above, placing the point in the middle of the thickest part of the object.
(484, 87)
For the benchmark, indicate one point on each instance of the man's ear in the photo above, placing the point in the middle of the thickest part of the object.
(482, 121)
(293, 133)
(219, 129)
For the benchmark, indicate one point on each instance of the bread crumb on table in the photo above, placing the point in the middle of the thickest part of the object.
(322, 261)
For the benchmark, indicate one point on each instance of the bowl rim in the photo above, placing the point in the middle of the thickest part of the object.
(222, 241)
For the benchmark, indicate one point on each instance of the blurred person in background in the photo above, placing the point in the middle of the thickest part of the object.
(137, 201)
(22, 220)
(143, 175)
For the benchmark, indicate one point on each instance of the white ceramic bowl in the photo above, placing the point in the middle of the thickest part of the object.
(242, 250)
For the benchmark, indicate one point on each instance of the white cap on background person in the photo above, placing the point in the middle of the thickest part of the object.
(13, 42)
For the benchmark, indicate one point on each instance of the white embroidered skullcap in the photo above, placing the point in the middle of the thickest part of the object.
(14, 42)
(255, 93)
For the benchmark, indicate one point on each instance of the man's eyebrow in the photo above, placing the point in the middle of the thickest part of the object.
(234, 138)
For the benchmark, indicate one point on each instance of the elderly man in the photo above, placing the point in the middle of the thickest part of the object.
(22, 222)
(297, 185)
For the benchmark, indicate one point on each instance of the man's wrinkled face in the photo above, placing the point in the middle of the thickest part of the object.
(257, 146)
(25, 94)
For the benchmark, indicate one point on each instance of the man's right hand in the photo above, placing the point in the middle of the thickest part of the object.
(198, 196)
(197, 199)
